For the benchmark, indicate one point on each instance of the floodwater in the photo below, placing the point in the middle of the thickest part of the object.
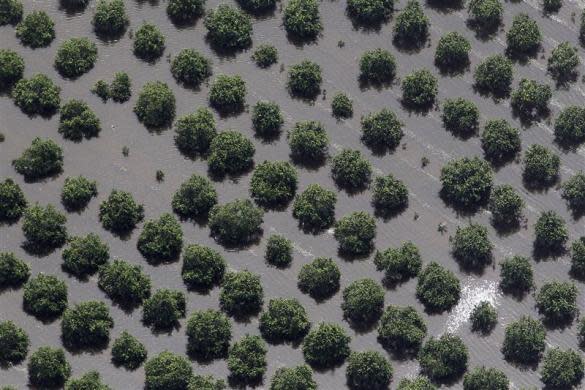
(101, 159)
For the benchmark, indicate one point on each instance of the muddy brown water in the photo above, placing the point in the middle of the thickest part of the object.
(101, 159)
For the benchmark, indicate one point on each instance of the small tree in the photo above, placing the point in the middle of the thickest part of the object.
(44, 228)
(363, 302)
(164, 309)
(247, 360)
(75, 57)
(13, 270)
(304, 79)
(541, 166)
(149, 42)
(209, 333)
(101, 89)
(228, 93)
(486, 14)
(37, 95)
(273, 183)
(194, 198)
(78, 121)
(483, 318)
(452, 52)
(77, 192)
(438, 289)
(562, 62)
(389, 195)
(523, 37)
(36, 30)
(120, 213)
(416, 383)
(577, 259)
(120, 88)
(350, 170)
(326, 346)
(341, 106)
(41, 159)
(573, 191)
(195, 132)
(377, 66)
(124, 283)
(494, 75)
(443, 358)
(320, 278)
(203, 267)
(161, 239)
(301, 19)
(110, 19)
(185, 11)
(87, 325)
(308, 141)
(355, 233)
(382, 130)
(485, 378)
(156, 104)
(516, 274)
(128, 352)
(167, 371)
(524, 341)
(242, 294)
(190, 67)
(299, 377)
(557, 302)
(506, 205)
(500, 141)
(278, 251)
(228, 28)
(460, 117)
(412, 25)
(368, 370)
(12, 201)
(370, 12)
(11, 68)
(265, 55)
(45, 296)
(235, 223)
(85, 254)
(401, 330)
(205, 382)
(284, 320)
(570, 126)
(14, 342)
(48, 367)
(315, 207)
(550, 232)
(467, 182)
(562, 368)
(399, 264)
(531, 98)
(471, 246)
(11, 12)
(89, 380)
(267, 118)
(419, 89)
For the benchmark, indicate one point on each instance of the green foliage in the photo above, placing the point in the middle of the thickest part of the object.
(284, 320)
(523, 37)
(41, 159)
(301, 19)
(101, 89)
(381, 130)
(570, 126)
(90, 380)
(315, 207)
(419, 89)
(350, 170)
(438, 289)
(494, 74)
(500, 141)
(299, 377)
(195, 198)
(471, 246)
(267, 118)
(14, 341)
(541, 166)
(341, 106)
(326, 346)
(228, 27)
(257, 6)
(11, 67)
(156, 104)
(167, 371)
(78, 120)
(416, 383)
(195, 132)
(481, 378)
(370, 12)
(36, 30)
(85, 254)
(209, 333)
(235, 223)
(10, 12)
(486, 14)
(412, 25)
(531, 98)
(161, 239)
(228, 93)
(120, 88)
(577, 258)
(190, 67)
(319, 278)
(506, 205)
(207, 382)
(483, 318)
(524, 341)
(163, 309)
(124, 283)
(37, 95)
(557, 302)
(460, 117)
(355, 233)
(273, 183)
(562, 62)
(149, 42)
(363, 302)
(128, 352)
(110, 18)
(241, 294)
(304, 78)
(77, 192)
(247, 360)
(44, 228)
(13, 270)
(368, 370)
(573, 191)
(389, 195)
(45, 296)
(377, 66)
(185, 11)
(308, 141)
(12, 201)
(562, 368)
(399, 264)
(120, 213)
(550, 232)
(466, 182)
(452, 52)
(75, 57)
(401, 330)
(265, 55)
(87, 325)
(443, 358)
(278, 251)
(48, 367)
(516, 274)
(203, 267)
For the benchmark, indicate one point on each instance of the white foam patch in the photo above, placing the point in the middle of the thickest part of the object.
(473, 292)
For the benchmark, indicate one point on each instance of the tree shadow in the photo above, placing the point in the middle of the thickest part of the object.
(516, 293)
(310, 164)
(300, 42)
(243, 383)
(110, 37)
(387, 214)
(558, 323)
(482, 32)
(71, 9)
(522, 57)
(418, 109)
(462, 210)
(445, 6)
(246, 242)
(542, 253)
(409, 46)
(527, 119)
(453, 70)
(506, 229)
(538, 185)
(363, 327)
(497, 95)
(351, 256)
(39, 250)
(79, 346)
(366, 83)
(235, 176)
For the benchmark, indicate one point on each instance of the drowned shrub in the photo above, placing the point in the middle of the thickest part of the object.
(195, 132)
(363, 302)
(500, 141)
(163, 309)
(443, 358)
(315, 207)
(399, 264)
(460, 117)
(48, 367)
(37, 95)
(121, 87)
(185, 11)
(569, 126)
(541, 166)
(209, 333)
(401, 330)
(149, 42)
(247, 360)
(320, 278)
(350, 170)
(506, 205)
(273, 183)
(44, 228)
(194, 198)
(265, 55)
(167, 371)
(485, 378)
(36, 30)
(45, 296)
(382, 130)
(89, 380)
(11, 68)
(85, 254)
(341, 106)
(228, 93)
(14, 342)
(267, 118)
(78, 121)
(377, 66)
(412, 25)
(120, 213)
(87, 325)
(368, 370)
(304, 79)
(524, 341)
(471, 246)
(10, 12)
(389, 195)
(494, 75)
(13, 270)
(370, 12)
(483, 318)
(284, 320)
(326, 346)
(228, 27)
(128, 352)
(516, 275)
(550, 232)
(301, 19)
(161, 239)
(466, 182)
(562, 368)
(419, 89)
(235, 223)
(452, 52)
(156, 104)
(77, 192)
(190, 67)
(110, 19)
(203, 267)
(299, 377)
(124, 283)
(355, 233)
(241, 294)
(562, 62)
(308, 141)
(75, 57)
(557, 302)
(438, 289)
(12, 201)
(41, 159)
(531, 98)
(278, 251)
(523, 37)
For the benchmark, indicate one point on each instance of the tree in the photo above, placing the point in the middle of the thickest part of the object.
(460, 117)
(228, 28)
(101, 89)
(315, 207)
(370, 12)
(149, 42)
(486, 14)
(419, 89)
(481, 378)
(45, 296)
(75, 57)
(167, 371)
(247, 360)
(389, 195)
(110, 18)
(483, 318)
(319, 278)
(242, 294)
(326, 346)
(207, 382)
(41, 159)
(500, 141)
(301, 19)
(341, 106)
(87, 325)
(284, 320)
(524, 341)
(299, 377)
(228, 93)
(278, 251)
(494, 74)
(203, 267)
(44, 228)
(471, 246)
(85, 254)
(11, 12)
(11, 68)
(161, 239)
(577, 259)
(368, 370)
(78, 121)
(416, 383)
(13, 270)
(208, 334)
(550, 232)
(382, 130)
(195, 132)
(399, 264)
(48, 367)
(438, 289)
(355, 233)
(257, 6)
(12, 201)
(562, 62)
(308, 141)
(531, 98)
(156, 104)
(235, 223)
(128, 352)
(562, 368)
(265, 55)
(506, 205)
(412, 26)
(452, 52)
(164, 309)
(14, 342)
(363, 302)
(467, 182)
(77, 192)
(350, 170)
(124, 283)
(377, 66)
(573, 191)
(557, 302)
(120, 213)
(37, 95)
(185, 11)
(516, 274)
(551, 6)
(401, 330)
(190, 67)
(273, 183)
(89, 380)
(569, 127)
(36, 30)
(267, 118)
(444, 357)
(523, 37)
(304, 78)
(120, 88)
(541, 166)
